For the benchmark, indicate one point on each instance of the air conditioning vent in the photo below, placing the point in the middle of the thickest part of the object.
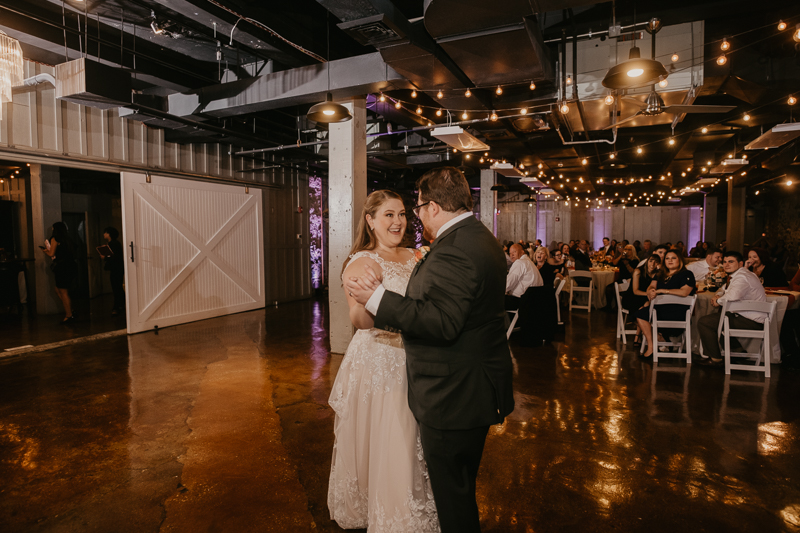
(374, 31)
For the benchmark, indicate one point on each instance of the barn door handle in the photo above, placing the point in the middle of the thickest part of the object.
(131, 251)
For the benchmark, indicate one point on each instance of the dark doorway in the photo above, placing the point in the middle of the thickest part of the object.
(76, 227)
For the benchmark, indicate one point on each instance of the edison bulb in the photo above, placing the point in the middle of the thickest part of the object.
(499, 90)
(583, 162)
(413, 94)
(564, 109)
(533, 86)
(397, 104)
(792, 100)
(671, 141)
(438, 112)
(493, 116)
(613, 155)
(440, 95)
(721, 60)
(781, 25)
(704, 130)
(675, 58)
(523, 111)
(663, 83)
(382, 98)
(609, 99)
(569, 80)
(468, 93)
(464, 115)
(639, 150)
(746, 117)
(725, 45)
(419, 110)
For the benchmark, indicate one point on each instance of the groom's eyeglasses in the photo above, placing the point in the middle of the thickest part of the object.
(416, 208)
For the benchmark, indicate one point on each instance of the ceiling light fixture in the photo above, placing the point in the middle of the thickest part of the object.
(329, 112)
(792, 100)
(523, 111)
(413, 94)
(671, 141)
(569, 80)
(459, 139)
(584, 161)
(609, 99)
(663, 83)
(721, 60)
(704, 130)
(746, 117)
(564, 108)
(419, 110)
(675, 58)
(438, 112)
(398, 105)
(613, 155)
(499, 90)
(464, 115)
(635, 72)
(493, 116)
(382, 98)
(796, 34)
(639, 150)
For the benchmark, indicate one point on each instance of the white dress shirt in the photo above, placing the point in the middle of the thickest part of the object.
(744, 285)
(375, 300)
(700, 269)
(523, 274)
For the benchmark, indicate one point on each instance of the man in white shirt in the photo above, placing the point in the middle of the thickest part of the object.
(523, 274)
(701, 269)
(742, 285)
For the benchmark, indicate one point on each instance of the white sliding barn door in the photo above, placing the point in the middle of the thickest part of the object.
(198, 250)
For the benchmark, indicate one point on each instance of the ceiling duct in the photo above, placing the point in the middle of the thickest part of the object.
(86, 82)
(776, 137)
(376, 30)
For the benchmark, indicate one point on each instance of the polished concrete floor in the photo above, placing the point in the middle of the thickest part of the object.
(223, 425)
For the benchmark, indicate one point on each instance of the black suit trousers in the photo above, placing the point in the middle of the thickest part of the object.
(453, 458)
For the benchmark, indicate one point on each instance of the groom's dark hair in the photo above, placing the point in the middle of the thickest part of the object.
(446, 186)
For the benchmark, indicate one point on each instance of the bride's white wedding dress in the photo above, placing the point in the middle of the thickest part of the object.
(378, 480)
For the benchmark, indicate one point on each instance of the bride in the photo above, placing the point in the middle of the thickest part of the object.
(378, 479)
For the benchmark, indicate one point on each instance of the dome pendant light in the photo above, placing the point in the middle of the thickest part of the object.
(329, 112)
(635, 72)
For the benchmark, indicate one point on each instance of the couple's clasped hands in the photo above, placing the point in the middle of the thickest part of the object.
(360, 288)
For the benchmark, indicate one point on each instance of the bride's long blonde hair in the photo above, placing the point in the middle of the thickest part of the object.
(365, 238)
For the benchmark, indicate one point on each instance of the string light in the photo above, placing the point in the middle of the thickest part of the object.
(499, 90)
(675, 57)
(583, 163)
(468, 93)
(792, 100)
(639, 150)
(533, 86)
(464, 115)
(419, 110)
(523, 111)
(746, 117)
(609, 99)
(725, 45)
(564, 108)
(781, 25)
(663, 83)
(493, 116)
(413, 94)
(613, 155)
(480, 160)
(671, 141)
(704, 130)
(382, 98)
(440, 95)
(721, 60)
(398, 105)
(569, 80)
(438, 112)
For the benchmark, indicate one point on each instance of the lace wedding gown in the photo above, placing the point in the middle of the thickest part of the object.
(378, 480)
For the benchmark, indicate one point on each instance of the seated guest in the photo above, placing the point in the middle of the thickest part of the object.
(548, 271)
(701, 269)
(565, 257)
(647, 249)
(606, 248)
(636, 296)
(697, 251)
(681, 248)
(661, 250)
(637, 246)
(626, 263)
(742, 285)
(580, 254)
(759, 264)
(674, 279)
(521, 276)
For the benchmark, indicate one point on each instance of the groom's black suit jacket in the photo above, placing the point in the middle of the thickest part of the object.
(452, 319)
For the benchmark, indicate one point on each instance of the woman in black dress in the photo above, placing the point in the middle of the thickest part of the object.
(636, 295)
(549, 271)
(115, 264)
(674, 279)
(62, 251)
(771, 275)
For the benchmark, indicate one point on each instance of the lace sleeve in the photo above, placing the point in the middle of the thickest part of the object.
(363, 253)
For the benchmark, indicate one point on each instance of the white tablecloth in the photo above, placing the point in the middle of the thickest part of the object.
(703, 307)
(601, 279)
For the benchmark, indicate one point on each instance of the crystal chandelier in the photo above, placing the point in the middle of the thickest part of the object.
(10, 67)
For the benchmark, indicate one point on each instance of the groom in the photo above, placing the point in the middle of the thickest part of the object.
(457, 357)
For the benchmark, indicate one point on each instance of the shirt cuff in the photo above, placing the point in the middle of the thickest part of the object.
(375, 300)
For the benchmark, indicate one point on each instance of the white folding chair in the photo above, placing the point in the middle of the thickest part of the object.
(513, 322)
(575, 288)
(766, 308)
(684, 345)
(559, 285)
(621, 313)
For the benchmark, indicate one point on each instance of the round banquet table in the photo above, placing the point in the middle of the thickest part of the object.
(703, 307)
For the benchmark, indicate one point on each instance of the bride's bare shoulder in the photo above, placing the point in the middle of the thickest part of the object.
(357, 267)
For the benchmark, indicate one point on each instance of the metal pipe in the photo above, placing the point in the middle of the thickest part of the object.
(592, 35)
(36, 80)
(594, 141)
